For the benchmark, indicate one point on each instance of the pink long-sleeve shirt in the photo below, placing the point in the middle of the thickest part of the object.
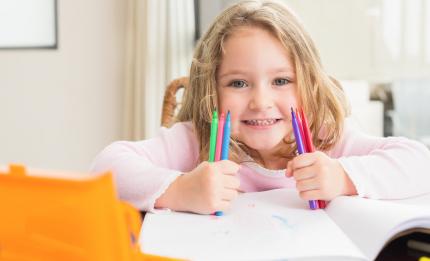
(380, 168)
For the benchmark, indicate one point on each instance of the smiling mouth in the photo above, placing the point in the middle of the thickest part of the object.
(263, 122)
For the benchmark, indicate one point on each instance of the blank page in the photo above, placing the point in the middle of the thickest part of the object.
(263, 225)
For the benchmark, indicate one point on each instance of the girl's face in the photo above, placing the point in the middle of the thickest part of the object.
(256, 82)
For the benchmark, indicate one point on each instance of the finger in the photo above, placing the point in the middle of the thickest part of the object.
(229, 194)
(230, 174)
(311, 194)
(306, 185)
(304, 160)
(289, 170)
(227, 166)
(290, 164)
(305, 173)
(230, 182)
(223, 205)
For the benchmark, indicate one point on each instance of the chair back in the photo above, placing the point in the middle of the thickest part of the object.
(172, 100)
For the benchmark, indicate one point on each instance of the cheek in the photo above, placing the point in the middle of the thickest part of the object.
(230, 103)
(294, 101)
(234, 121)
(288, 103)
(235, 126)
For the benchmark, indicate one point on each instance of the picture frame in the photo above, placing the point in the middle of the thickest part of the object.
(28, 24)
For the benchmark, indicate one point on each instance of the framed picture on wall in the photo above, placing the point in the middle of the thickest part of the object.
(28, 24)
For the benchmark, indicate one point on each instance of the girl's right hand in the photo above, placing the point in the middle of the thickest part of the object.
(210, 187)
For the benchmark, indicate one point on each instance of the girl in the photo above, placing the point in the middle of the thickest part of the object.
(257, 61)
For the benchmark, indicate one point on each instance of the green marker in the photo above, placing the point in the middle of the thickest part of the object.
(212, 144)
(214, 130)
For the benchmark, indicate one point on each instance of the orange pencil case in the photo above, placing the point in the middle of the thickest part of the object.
(50, 216)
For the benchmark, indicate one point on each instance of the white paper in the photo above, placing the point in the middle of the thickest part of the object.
(371, 223)
(274, 224)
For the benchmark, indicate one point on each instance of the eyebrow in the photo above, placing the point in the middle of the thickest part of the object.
(276, 70)
(233, 72)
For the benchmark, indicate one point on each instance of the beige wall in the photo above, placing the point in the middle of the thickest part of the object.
(58, 108)
(350, 37)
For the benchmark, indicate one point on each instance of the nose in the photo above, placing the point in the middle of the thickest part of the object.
(261, 98)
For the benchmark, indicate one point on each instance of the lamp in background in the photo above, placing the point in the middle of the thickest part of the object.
(28, 24)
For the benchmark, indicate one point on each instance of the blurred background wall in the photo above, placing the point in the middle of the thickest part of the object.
(59, 107)
(105, 80)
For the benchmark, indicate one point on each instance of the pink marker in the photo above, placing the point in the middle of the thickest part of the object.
(221, 122)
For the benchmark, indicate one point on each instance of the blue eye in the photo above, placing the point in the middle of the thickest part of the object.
(238, 84)
(281, 81)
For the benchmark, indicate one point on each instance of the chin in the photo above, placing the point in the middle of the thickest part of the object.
(259, 144)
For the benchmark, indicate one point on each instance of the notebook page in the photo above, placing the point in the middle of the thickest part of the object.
(371, 223)
(264, 225)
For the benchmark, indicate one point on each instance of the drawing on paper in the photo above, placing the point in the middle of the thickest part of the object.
(283, 221)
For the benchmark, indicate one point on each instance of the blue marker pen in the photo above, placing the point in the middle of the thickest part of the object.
(226, 138)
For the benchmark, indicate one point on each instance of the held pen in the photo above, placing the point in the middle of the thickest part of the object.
(212, 141)
(300, 148)
(213, 144)
(302, 134)
(309, 145)
(297, 136)
(226, 137)
(225, 146)
(219, 139)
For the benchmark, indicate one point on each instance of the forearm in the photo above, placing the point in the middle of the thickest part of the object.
(348, 187)
(388, 174)
(383, 168)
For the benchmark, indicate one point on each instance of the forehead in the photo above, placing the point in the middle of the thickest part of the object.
(255, 47)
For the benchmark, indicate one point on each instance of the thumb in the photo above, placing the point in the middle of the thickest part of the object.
(227, 166)
(288, 173)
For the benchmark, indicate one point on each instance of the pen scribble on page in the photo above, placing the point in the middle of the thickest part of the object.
(284, 221)
(222, 233)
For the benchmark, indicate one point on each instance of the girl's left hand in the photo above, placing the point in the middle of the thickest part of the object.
(319, 177)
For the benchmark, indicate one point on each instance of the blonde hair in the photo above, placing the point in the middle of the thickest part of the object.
(321, 96)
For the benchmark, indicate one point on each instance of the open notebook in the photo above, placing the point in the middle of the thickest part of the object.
(277, 224)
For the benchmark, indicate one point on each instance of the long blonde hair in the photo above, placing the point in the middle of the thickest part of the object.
(321, 96)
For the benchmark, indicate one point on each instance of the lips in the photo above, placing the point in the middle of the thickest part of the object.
(261, 122)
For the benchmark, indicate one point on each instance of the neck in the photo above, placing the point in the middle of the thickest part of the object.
(272, 161)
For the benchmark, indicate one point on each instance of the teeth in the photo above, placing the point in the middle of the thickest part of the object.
(261, 122)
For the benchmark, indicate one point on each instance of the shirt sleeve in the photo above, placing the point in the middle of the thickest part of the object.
(383, 168)
(143, 170)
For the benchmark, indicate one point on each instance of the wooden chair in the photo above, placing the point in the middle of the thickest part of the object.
(170, 101)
